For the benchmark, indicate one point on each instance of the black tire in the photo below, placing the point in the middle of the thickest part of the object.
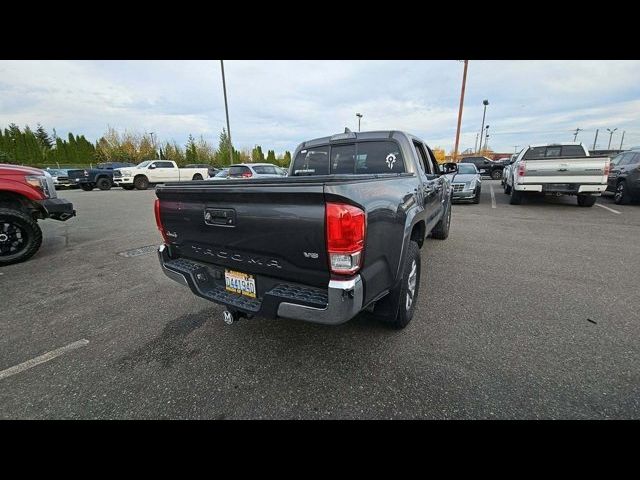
(507, 189)
(516, 197)
(197, 176)
(476, 198)
(621, 195)
(20, 236)
(141, 182)
(128, 187)
(87, 187)
(103, 184)
(496, 174)
(586, 200)
(441, 230)
(398, 307)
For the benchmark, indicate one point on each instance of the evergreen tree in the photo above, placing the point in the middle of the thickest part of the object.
(224, 147)
(271, 157)
(286, 161)
(191, 150)
(257, 155)
(43, 137)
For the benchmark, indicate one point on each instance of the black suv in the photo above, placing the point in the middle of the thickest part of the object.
(624, 176)
(486, 166)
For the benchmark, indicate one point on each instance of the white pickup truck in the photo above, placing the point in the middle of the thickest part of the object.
(557, 169)
(151, 172)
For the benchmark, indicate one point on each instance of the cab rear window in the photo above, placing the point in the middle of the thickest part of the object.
(538, 153)
(357, 158)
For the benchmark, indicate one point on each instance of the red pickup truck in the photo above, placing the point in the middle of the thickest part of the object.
(26, 196)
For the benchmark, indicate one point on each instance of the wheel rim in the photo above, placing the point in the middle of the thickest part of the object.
(411, 284)
(12, 239)
(619, 191)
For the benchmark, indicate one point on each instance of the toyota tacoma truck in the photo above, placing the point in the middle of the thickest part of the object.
(101, 176)
(557, 169)
(152, 172)
(340, 234)
(26, 196)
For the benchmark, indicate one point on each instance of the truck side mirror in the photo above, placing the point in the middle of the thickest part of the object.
(152, 166)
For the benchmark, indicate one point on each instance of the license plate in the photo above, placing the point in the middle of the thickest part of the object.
(241, 283)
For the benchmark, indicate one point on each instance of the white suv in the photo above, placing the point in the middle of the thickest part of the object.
(254, 170)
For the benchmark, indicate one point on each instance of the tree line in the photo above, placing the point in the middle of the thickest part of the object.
(38, 148)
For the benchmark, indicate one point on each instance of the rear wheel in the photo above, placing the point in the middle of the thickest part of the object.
(496, 174)
(507, 188)
(87, 187)
(586, 200)
(103, 184)
(399, 305)
(20, 236)
(621, 197)
(141, 182)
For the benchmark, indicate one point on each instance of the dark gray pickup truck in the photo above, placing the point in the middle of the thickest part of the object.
(342, 233)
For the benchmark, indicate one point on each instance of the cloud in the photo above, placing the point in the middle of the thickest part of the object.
(278, 104)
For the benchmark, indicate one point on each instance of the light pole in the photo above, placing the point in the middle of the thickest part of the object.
(485, 103)
(575, 135)
(486, 141)
(226, 110)
(515, 148)
(475, 145)
(464, 83)
(595, 139)
(623, 132)
(610, 136)
(359, 115)
(153, 144)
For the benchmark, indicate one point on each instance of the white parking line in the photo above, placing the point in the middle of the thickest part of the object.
(493, 197)
(607, 208)
(42, 358)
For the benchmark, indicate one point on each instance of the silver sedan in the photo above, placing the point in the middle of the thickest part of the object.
(466, 183)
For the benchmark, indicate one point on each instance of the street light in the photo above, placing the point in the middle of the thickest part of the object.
(575, 134)
(610, 136)
(359, 115)
(485, 103)
(464, 82)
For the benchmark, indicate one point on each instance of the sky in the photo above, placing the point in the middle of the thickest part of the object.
(279, 104)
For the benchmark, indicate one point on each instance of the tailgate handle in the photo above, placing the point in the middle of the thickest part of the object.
(224, 217)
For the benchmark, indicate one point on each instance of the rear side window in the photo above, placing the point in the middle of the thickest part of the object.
(312, 161)
(265, 170)
(572, 151)
(235, 172)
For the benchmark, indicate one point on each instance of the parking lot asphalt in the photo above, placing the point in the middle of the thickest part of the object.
(526, 312)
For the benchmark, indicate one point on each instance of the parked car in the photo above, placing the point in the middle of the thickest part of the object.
(507, 167)
(153, 172)
(486, 166)
(557, 169)
(342, 233)
(26, 196)
(466, 182)
(221, 175)
(101, 176)
(61, 178)
(253, 170)
(212, 170)
(624, 177)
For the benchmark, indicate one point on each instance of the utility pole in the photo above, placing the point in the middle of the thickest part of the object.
(623, 132)
(575, 135)
(595, 139)
(485, 103)
(226, 110)
(486, 141)
(153, 143)
(359, 115)
(464, 83)
(475, 145)
(610, 136)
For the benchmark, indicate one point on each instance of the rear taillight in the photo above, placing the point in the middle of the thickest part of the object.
(156, 209)
(346, 229)
(522, 169)
(607, 169)
(247, 175)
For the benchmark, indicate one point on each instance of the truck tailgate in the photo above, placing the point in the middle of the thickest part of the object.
(261, 229)
(583, 170)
